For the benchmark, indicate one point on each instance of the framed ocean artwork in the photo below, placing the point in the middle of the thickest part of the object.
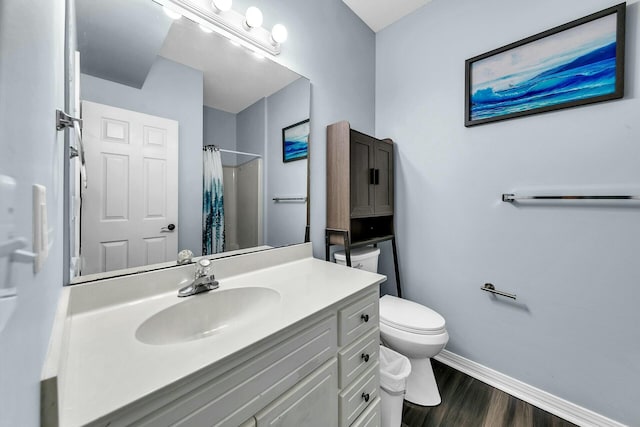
(577, 63)
(295, 141)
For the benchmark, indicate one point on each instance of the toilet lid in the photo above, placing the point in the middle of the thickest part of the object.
(410, 316)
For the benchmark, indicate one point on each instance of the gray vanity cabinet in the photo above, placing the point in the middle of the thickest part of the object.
(343, 391)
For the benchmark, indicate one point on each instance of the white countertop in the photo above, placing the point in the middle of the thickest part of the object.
(105, 367)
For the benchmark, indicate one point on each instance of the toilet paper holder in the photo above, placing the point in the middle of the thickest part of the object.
(488, 287)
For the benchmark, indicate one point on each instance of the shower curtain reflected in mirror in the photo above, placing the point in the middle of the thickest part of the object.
(212, 202)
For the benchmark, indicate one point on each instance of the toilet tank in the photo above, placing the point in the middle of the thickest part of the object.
(363, 258)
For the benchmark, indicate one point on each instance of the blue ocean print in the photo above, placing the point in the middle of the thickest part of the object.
(296, 142)
(296, 148)
(576, 64)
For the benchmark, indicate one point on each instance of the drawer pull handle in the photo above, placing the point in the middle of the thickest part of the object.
(365, 318)
(365, 397)
(365, 357)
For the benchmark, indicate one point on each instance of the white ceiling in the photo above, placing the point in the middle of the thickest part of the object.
(233, 77)
(377, 14)
(119, 40)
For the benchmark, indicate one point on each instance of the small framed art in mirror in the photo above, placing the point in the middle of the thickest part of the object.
(295, 141)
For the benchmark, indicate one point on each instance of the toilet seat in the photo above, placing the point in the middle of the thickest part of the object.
(410, 317)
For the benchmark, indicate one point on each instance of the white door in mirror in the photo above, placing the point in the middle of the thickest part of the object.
(130, 208)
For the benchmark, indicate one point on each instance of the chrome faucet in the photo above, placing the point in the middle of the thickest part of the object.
(203, 281)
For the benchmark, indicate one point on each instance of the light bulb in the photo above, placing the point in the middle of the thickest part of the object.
(221, 5)
(253, 17)
(279, 33)
(170, 13)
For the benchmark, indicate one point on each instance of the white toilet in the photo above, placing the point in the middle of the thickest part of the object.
(410, 329)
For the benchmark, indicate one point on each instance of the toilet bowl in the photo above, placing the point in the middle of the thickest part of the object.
(409, 328)
(419, 333)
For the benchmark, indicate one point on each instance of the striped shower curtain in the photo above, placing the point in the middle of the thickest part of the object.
(212, 203)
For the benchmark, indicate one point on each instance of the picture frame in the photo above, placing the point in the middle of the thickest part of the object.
(295, 141)
(574, 64)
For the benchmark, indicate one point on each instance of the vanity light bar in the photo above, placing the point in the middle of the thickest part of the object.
(229, 24)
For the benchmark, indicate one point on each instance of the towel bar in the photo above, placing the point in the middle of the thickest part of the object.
(289, 199)
(512, 197)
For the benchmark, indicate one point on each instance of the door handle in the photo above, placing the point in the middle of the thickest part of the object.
(376, 176)
(169, 228)
(372, 176)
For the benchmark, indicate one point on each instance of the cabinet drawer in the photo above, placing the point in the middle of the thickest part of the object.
(358, 357)
(371, 416)
(355, 398)
(357, 318)
(311, 403)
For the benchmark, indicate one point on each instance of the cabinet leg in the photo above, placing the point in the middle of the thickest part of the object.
(347, 253)
(395, 265)
(347, 247)
(326, 245)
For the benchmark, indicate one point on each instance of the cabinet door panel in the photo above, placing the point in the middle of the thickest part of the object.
(361, 162)
(229, 398)
(383, 197)
(311, 403)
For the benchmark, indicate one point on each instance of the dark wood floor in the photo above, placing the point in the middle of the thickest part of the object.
(467, 402)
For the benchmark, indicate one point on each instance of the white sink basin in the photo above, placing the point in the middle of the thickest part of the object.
(207, 314)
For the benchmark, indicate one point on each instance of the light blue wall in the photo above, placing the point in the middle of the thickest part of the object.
(252, 137)
(285, 222)
(219, 128)
(173, 91)
(251, 130)
(573, 330)
(31, 89)
(335, 50)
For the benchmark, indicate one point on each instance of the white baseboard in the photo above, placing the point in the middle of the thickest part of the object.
(539, 398)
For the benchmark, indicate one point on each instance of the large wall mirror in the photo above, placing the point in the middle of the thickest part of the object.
(163, 105)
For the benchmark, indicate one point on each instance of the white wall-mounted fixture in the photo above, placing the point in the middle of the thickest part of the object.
(222, 5)
(253, 18)
(205, 29)
(218, 15)
(11, 246)
(171, 14)
(279, 34)
(12, 249)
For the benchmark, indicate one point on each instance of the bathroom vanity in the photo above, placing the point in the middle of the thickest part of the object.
(287, 340)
